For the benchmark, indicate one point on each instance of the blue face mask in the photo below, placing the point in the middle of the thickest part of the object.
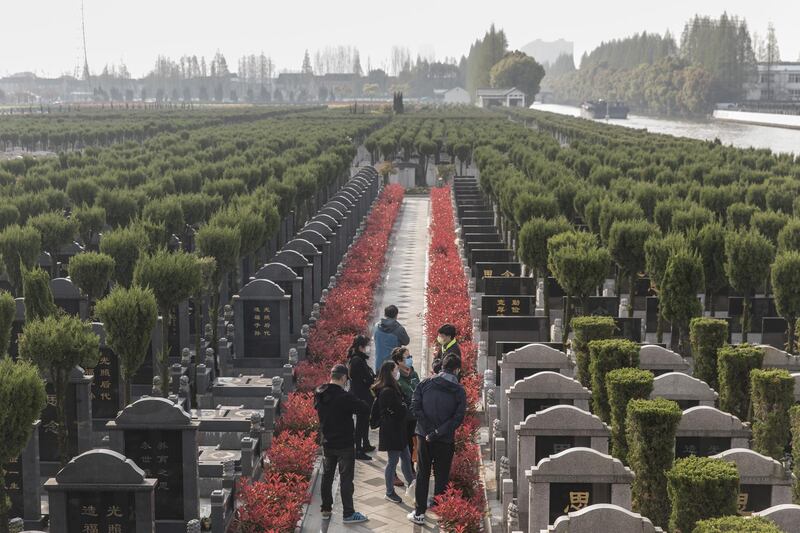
(409, 361)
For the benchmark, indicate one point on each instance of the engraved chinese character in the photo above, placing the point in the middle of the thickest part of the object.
(577, 501)
(105, 372)
(488, 273)
(114, 511)
(90, 528)
(508, 274)
(515, 301)
(114, 528)
(741, 504)
(144, 446)
(88, 510)
(51, 399)
(162, 445)
(51, 427)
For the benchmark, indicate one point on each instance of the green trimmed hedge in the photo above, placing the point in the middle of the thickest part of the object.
(794, 420)
(701, 488)
(707, 336)
(737, 524)
(605, 356)
(587, 329)
(734, 364)
(771, 395)
(650, 432)
(624, 385)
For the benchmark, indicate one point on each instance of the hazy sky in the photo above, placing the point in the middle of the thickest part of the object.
(44, 35)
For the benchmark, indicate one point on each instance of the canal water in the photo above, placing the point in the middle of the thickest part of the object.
(740, 135)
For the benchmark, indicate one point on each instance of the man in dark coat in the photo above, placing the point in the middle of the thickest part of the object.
(439, 406)
(361, 379)
(336, 407)
(388, 335)
(447, 344)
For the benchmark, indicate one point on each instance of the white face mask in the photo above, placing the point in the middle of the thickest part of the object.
(347, 385)
(396, 374)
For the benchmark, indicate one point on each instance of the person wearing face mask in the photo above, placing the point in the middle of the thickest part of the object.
(446, 344)
(392, 438)
(335, 407)
(408, 382)
(361, 379)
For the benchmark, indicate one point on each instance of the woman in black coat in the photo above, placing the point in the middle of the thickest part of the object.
(392, 436)
(361, 379)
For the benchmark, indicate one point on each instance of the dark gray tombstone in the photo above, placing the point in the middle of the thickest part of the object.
(45, 261)
(759, 308)
(313, 256)
(68, 297)
(261, 311)
(528, 329)
(488, 270)
(66, 253)
(598, 306)
(323, 245)
(503, 255)
(101, 490)
(292, 284)
(142, 382)
(628, 328)
(161, 438)
(106, 393)
(178, 329)
(22, 483)
(506, 306)
(297, 262)
(481, 237)
(78, 409)
(651, 316)
(774, 332)
(339, 240)
(510, 286)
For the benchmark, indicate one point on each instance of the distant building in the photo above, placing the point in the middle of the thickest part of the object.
(779, 82)
(454, 96)
(512, 97)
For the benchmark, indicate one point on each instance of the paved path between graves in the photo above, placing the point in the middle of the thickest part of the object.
(404, 286)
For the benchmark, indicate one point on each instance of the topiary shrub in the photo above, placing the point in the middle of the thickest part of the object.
(734, 364)
(701, 488)
(771, 395)
(650, 433)
(794, 422)
(587, 329)
(737, 524)
(707, 336)
(605, 356)
(624, 385)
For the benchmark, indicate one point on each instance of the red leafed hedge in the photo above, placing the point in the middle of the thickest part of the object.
(461, 508)
(274, 504)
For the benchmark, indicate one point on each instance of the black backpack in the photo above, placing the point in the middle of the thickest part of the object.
(375, 415)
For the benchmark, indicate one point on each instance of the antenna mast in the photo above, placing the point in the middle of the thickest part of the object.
(85, 56)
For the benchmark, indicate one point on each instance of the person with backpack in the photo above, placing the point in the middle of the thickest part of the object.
(446, 344)
(408, 381)
(361, 379)
(389, 414)
(439, 405)
(335, 407)
(389, 334)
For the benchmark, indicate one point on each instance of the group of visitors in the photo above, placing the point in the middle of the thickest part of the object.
(416, 420)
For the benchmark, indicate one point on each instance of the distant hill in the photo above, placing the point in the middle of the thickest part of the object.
(548, 51)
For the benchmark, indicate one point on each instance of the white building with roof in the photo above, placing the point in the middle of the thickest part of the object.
(512, 97)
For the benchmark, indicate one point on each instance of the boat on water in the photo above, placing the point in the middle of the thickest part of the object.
(602, 109)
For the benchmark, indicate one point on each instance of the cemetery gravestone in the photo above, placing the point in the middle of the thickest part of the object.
(603, 517)
(313, 256)
(763, 481)
(704, 431)
(684, 389)
(659, 360)
(69, 298)
(22, 483)
(261, 310)
(303, 269)
(107, 398)
(78, 410)
(286, 278)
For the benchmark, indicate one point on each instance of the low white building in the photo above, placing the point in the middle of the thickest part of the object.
(512, 97)
(778, 82)
(456, 96)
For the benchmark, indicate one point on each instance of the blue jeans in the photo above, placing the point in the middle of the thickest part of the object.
(404, 457)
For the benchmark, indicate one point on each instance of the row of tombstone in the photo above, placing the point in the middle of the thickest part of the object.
(551, 454)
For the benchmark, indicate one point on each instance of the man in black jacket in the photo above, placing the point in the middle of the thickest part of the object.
(447, 344)
(336, 407)
(439, 404)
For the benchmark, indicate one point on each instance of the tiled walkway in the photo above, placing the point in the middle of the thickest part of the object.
(404, 286)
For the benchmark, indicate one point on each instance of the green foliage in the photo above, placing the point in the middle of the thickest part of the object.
(624, 385)
(605, 356)
(167, 211)
(577, 262)
(785, 274)
(588, 329)
(533, 241)
(789, 236)
(20, 248)
(734, 364)
(124, 245)
(91, 221)
(57, 344)
(657, 251)
(8, 311)
(650, 434)
(92, 272)
(748, 256)
(121, 206)
(9, 214)
(701, 488)
(736, 524)
(56, 230)
(38, 296)
(518, 70)
(739, 215)
(771, 394)
(82, 191)
(707, 336)
(794, 423)
(222, 243)
(22, 397)
(711, 247)
(483, 55)
(678, 302)
(769, 224)
(128, 316)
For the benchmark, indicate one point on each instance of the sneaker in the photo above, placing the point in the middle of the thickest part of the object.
(398, 482)
(354, 518)
(411, 487)
(416, 518)
(326, 515)
(393, 497)
(361, 456)
(369, 448)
